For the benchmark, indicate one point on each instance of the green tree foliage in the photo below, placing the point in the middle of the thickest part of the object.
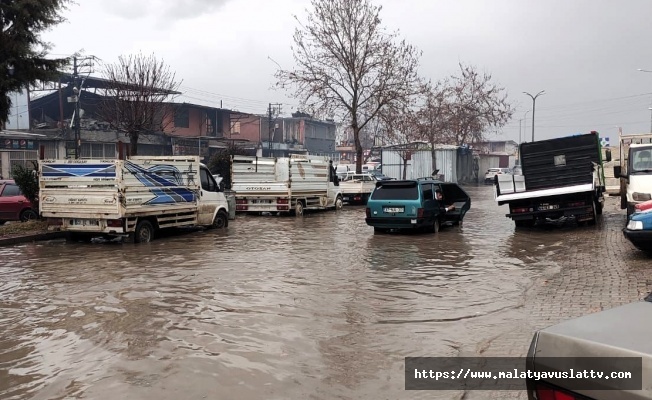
(220, 162)
(22, 51)
(27, 181)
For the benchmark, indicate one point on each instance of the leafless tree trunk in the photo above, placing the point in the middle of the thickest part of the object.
(432, 118)
(349, 65)
(402, 131)
(136, 97)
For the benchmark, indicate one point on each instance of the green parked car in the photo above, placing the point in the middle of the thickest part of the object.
(415, 204)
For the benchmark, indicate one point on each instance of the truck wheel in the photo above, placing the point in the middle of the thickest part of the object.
(221, 220)
(298, 208)
(144, 232)
(338, 203)
(436, 225)
(28, 215)
(630, 210)
(623, 199)
(594, 208)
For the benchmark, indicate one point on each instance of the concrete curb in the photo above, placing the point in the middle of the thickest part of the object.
(31, 238)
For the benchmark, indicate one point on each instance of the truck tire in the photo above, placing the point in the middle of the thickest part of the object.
(630, 210)
(298, 208)
(594, 208)
(623, 199)
(144, 232)
(221, 220)
(338, 203)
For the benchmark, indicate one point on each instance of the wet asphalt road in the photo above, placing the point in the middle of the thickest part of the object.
(274, 307)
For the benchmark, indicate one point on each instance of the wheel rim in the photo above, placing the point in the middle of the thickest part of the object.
(338, 203)
(219, 221)
(28, 216)
(299, 208)
(145, 235)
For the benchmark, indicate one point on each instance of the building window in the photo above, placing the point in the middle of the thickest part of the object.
(182, 118)
(210, 126)
(235, 129)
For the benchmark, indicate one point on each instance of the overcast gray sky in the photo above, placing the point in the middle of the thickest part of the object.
(583, 53)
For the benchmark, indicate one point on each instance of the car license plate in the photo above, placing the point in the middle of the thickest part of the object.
(85, 222)
(261, 201)
(346, 199)
(548, 206)
(393, 209)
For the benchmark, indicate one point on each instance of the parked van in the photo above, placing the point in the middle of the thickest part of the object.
(412, 204)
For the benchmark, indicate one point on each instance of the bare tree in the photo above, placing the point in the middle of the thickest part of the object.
(349, 65)
(137, 89)
(432, 119)
(402, 130)
(475, 105)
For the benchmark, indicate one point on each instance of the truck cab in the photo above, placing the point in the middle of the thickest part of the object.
(635, 173)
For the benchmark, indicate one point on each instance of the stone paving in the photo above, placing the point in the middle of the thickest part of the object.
(597, 269)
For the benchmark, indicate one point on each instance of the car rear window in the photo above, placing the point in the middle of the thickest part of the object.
(408, 191)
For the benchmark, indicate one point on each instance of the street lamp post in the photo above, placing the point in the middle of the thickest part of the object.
(534, 100)
(650, 108)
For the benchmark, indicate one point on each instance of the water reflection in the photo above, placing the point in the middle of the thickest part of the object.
(274, 307)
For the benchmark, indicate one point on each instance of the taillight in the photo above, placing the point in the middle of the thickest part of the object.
(420, 213)
(114, 223)
(520, 210)
(368, 212)
(282, 201)
(241, 201)
(548, 393)
(576, 204)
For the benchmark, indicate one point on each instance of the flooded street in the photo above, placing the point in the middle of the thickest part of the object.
(272, 308)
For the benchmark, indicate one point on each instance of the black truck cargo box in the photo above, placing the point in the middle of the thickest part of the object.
(565, 161)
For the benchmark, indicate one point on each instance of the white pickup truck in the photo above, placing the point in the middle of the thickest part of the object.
(635, 170)
(356, 188)
(285, 184)
(131, 197)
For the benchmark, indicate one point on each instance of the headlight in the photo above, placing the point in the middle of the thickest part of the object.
(641, 196)
(635, 225)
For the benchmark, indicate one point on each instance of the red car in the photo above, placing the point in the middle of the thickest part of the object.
(13, 205)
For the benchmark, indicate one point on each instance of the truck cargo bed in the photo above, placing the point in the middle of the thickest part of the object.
(566, 161)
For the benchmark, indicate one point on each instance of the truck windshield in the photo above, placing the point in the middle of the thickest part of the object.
(641, 159)
(406, 191)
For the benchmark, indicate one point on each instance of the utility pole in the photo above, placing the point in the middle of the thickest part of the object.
(77, 93)
(80, 66)
(270, 122)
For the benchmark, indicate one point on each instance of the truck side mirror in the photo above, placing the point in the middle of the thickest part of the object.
(608, 155)
(617, 171)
